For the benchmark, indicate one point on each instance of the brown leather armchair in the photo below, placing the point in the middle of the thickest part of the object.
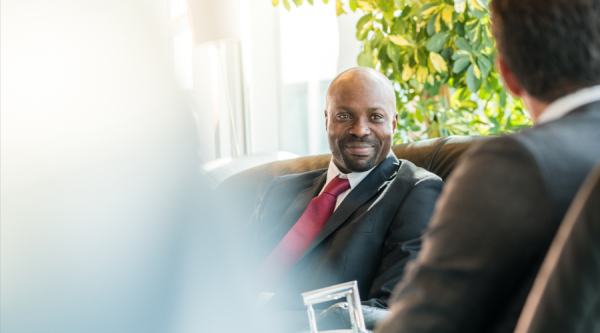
(245, 188)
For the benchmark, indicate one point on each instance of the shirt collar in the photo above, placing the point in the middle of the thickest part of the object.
(568, 103)
(354, 177)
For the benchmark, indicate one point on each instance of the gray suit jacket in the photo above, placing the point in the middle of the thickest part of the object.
(492, 227)
(370, 237)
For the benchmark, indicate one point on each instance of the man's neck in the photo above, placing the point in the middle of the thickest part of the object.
(340, 168)
(534, 106)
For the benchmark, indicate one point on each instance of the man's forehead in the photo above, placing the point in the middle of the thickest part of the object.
(355, 98)
(357, 81)
(361, 85)
(352, 100)
(361, 108)
(356, 90)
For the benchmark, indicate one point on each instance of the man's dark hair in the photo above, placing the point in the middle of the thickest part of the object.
(551, 46)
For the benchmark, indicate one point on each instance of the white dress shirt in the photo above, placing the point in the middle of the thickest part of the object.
(568, 103)
(354, 178)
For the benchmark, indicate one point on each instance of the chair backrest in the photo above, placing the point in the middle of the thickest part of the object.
(242, 190)
(565, 296)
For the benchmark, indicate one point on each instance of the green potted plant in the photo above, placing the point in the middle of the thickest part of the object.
(439, 55)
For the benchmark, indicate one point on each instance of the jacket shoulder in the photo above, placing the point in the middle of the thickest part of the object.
(408, 171)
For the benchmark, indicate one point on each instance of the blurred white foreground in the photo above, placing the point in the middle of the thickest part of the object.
(100, 194)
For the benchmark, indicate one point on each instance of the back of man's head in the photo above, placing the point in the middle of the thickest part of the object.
(551, 46)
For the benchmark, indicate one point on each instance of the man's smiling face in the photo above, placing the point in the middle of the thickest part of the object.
(360, 119)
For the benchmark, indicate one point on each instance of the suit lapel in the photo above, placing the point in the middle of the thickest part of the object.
(375, 181)
(298, 206)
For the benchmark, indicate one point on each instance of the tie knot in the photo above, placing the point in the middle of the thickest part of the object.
(337, 186)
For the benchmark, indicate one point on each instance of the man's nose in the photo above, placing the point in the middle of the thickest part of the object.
(360, 128)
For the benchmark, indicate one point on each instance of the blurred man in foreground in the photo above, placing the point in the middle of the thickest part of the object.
(502, 206)
(360, 219)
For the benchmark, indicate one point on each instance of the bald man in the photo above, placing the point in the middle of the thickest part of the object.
(361, 219)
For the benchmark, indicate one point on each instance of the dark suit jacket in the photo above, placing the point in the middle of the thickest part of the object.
(370, 237)
(492, 227)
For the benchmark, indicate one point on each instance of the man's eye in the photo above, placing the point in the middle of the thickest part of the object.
(377, 116)
(343, 116)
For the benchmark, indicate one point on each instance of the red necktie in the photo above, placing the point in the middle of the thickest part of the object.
(291, 248)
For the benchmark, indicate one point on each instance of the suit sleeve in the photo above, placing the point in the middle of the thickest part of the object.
(483, 237)
(403, 240)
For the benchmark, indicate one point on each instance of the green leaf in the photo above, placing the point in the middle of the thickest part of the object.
(310, 2)
(422, 74)
(298, 2)
(286, 4)
(366, 58)
(436, 43)
(447, 53)
(472, 24)
(431, 25)
(363, 26)
(408, 11)
(400, 4)
(434, 88)
(430, 78)
(362, 21)
(428, 9)
(502, 97)
(399, 40)
(464, 94)
(275, 2)
(463, 44)
(485, 65)
(338, 8)
(377, 40)
(352, 4)
(476, 71)
(362, 35)
(393, 52)
(468, 104)
(472, 81)
(496, 126)
(487, 40)
(461, 64)
(388, 20)
(475, 39)
(438, 22)
(407, 72)
(460, 6)
(459, 28)
(478, 14)
(419, 116)
(398, 27)
(439, 64)
(460, 54)
(447, 14)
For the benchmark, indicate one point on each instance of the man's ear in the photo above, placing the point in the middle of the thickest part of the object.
(509, 78)
(326, 119)
(395, 121)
